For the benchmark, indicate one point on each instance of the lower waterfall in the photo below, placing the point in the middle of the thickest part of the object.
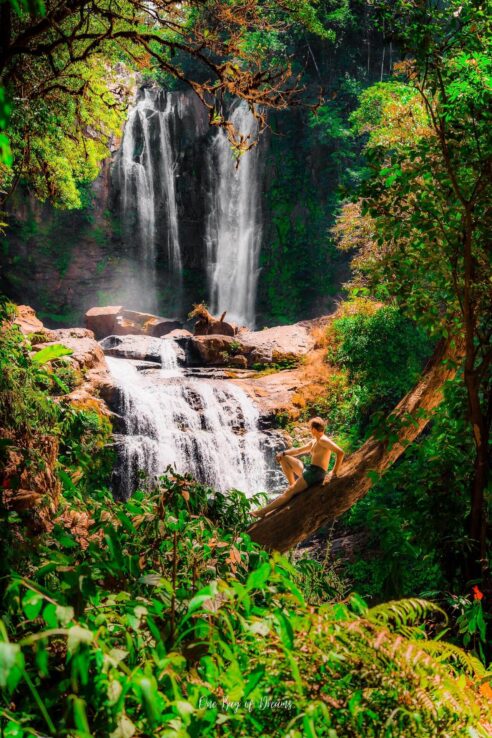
(205, 426)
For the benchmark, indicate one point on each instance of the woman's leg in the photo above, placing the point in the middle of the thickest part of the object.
(298, 486)
(291, 467)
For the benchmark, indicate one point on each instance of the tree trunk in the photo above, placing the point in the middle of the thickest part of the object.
(313, 508)
(478, 515)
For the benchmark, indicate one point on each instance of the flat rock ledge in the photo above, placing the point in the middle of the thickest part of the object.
(118, 321)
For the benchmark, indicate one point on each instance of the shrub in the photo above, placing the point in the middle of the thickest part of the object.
(148, 618)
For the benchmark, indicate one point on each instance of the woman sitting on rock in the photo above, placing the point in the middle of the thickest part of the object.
(301, 477)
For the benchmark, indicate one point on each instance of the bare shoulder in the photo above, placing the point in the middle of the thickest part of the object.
(329, 443)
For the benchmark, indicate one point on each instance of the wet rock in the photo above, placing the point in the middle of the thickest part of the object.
(117, 320)
(140, 348)
(273, 393)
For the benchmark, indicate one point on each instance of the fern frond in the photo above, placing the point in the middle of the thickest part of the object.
(449, 653)
(399, 614)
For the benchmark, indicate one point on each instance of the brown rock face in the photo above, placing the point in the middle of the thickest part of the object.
(27, 320)
(37, 487)
(102, 320)
(180, 333)
(222, 328)
(88, 359)
(239, 361)
(281, 342)
(116, 320)
(214, 350)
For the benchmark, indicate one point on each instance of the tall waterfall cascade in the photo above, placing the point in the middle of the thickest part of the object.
(233, 227)
(208, 427)
(190, 209)
(145, 173)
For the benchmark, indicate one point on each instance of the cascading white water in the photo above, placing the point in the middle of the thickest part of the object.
(168, 167)
(208, 427)
(233, 228)
(145, 169)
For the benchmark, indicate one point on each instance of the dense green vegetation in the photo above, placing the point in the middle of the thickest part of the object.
(159, 616)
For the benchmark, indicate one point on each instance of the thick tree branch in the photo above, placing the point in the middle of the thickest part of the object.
(310, 510)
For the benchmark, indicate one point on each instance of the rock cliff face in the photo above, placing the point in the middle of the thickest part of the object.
(87, 358)
(62, 263)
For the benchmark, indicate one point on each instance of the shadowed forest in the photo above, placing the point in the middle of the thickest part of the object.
(221, 220)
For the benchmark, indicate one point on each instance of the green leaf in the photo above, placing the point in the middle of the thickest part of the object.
(76, 636)
(32, 602)
(257, 578)
(11, 664)
(48, 353)
(253, 679)
(285, 629)
(202, 596)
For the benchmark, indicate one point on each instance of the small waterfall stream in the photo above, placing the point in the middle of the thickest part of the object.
(208, 427)
(144, 174)
(233, 227)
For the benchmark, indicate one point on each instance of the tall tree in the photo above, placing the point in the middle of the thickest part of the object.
(58, 69)
(424, 219)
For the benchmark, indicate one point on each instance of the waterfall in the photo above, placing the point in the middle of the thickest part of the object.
(233, 227)
(144, 172)
(168, 167)
(208, 427)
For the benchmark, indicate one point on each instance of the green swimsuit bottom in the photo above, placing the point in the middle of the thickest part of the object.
(313, 474)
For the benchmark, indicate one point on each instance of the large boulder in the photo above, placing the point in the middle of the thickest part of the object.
(212, 350)
(89, 362)
(133, 322)
(219, 350)
(117, 320)
(139, 348)
(102, 320)
(281, 343)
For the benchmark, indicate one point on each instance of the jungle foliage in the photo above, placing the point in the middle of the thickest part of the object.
(424, 215)
(159, 617)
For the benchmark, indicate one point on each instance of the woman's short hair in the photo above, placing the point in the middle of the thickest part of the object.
(318, 424)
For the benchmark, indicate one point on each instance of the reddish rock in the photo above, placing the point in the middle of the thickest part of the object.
(35, 487)
(27, 321)
(102, 320)
(87, 358)
(222, 328)
(115, 320)
(239, 361)
(180, 333)
(218, 350)
(281, 342)
(133, 322)
(214, 350)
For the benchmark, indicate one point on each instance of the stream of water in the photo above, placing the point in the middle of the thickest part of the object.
(145, 173)
(208, 427)
(233, 233)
